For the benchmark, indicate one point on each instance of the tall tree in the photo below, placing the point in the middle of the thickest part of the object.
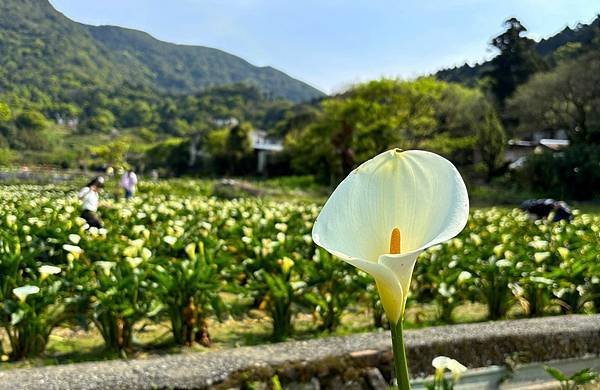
(566, 98)
(379, 115)
(516, 62)
(239, 145)
(490, 140)
(5, 113)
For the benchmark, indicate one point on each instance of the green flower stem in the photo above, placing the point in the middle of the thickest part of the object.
(400, 362)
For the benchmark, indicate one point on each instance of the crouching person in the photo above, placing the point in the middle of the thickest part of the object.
(90, 199)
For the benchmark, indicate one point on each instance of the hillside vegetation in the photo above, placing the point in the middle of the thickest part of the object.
(566, 44)
(44, 51)
(80, 96)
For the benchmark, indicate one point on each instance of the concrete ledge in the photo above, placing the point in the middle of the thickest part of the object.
(333, 361)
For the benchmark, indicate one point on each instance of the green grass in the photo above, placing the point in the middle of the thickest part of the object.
(72, 344)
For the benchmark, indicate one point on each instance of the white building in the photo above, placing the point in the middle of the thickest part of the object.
(264, 146)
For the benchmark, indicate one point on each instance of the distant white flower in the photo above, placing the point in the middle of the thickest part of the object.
(463, 276)
(475, 238)
(281, 227)
(138, 243)
(105, 266)
(541, 256)
(539, 279)
(190, 250)
(503, 263)
(146, 253)
(564, 252)
(539, 244)
(442, 363)
(130, 251)
(74, 238)
(73, 250)
(286, 264)
(23, 292)
(137, 229)
(134, 262)
(10, 220)
(170, 240)
(517, 290)
(446, 291)
(498, 250)
(46, 270)
(457, 242)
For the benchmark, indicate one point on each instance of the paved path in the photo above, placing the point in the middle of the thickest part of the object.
(475, 345)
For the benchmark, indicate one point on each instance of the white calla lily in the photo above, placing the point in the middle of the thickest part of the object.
(24, 291)
(49, 269)
(388, 211)
(73, 249)
(442, 363)
(170, 240)
(106, 266)
(46, 270)
(74, 238)
(134, 262)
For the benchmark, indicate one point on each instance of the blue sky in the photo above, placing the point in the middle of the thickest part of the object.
(334, 43)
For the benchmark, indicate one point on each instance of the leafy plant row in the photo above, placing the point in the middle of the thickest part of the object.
(175, 257)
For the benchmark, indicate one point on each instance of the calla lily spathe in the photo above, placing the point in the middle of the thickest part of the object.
(417, 193)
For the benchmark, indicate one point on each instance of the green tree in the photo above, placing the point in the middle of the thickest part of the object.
(31, 120)
(5, 113)
(380, 115)
(113, 153)
(516, 62)
(101, 120)
(169, 154)
(567, 97)
(32, 132)
(139, 113)
(239, 145)
(6, 155)
(491, 140)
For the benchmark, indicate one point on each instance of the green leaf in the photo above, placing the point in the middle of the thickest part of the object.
(555, 373)
(584, 376)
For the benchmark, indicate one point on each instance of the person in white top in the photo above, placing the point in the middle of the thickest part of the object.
(129, 182)
(90, 199)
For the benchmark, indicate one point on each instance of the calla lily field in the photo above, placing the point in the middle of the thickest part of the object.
(396, 235)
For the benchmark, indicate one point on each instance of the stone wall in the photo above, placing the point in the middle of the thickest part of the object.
(357, 361)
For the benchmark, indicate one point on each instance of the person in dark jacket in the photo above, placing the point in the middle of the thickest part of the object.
(541, 208)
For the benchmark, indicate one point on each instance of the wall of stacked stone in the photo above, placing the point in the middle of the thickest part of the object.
(362, 361)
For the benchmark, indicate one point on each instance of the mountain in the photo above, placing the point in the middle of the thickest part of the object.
(582, 36)
(41, 49)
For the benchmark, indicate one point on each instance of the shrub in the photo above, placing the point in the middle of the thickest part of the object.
(565, 175)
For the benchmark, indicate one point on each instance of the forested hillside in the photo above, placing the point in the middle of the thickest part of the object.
(567, 43)
(74, 95)
(44, 53)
